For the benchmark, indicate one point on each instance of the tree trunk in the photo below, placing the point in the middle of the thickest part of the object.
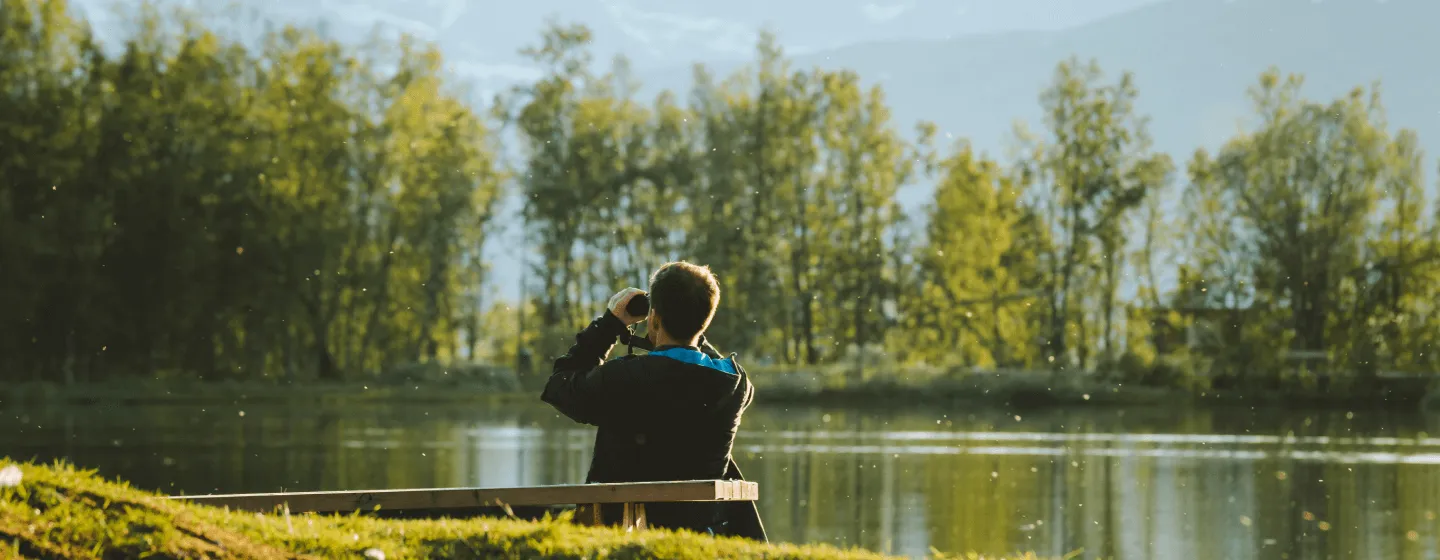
(1111, 265)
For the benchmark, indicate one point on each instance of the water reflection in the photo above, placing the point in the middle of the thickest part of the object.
(1122, 484)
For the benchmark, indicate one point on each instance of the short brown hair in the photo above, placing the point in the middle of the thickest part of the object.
(685, 296)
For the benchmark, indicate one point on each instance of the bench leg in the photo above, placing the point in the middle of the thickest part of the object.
(634, 517)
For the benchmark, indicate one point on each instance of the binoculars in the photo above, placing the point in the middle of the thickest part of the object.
(638, 306)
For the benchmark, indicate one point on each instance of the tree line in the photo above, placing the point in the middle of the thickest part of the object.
(192, 205)
(1306, 245)
(196, 205)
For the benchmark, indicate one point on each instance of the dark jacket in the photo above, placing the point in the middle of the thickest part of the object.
(668, 415)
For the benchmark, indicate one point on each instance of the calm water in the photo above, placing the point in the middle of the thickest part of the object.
(1136, 484)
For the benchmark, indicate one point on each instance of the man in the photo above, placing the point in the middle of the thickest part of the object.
(667, 415)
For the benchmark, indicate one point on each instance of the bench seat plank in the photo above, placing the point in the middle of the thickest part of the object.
(459, 498)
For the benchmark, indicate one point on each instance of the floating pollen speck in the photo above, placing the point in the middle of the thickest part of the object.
(10, 476)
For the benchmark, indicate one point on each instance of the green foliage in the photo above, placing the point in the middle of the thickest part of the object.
(59, 512)
(976, 268)
(193, 206)
(1093, 171)
(1310, 231)
(784, 182)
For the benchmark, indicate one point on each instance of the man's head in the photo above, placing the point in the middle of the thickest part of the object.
(683, 298)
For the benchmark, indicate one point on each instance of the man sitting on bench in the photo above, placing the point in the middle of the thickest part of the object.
(668, 415)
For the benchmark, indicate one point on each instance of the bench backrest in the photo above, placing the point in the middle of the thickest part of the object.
(469, 498)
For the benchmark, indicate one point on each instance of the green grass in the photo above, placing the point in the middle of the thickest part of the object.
(63, 513)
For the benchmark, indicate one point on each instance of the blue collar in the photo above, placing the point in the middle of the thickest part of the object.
(693, 356)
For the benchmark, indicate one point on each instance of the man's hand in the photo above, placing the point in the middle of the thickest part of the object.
(620, 300)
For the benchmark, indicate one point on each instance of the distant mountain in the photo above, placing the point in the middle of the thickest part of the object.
(1193, 61)
(482, 40)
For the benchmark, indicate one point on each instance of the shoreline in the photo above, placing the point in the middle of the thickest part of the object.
(156, 393)
(980, 392)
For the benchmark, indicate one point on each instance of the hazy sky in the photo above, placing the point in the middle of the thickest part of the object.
(482, 36)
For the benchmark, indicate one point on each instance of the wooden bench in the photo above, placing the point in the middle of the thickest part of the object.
(443, 501)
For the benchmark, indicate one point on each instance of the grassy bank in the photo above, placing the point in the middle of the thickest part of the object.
(199, 392)
(773, 385)
(915, 385)
(458, 383)
(1039, 389)
(61, 513)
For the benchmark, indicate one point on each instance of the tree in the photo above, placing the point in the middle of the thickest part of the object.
(1094, 170)
(974, 305)
(1305, 187)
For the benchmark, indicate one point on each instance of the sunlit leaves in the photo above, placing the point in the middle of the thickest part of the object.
(1315, 223)
(229, 212)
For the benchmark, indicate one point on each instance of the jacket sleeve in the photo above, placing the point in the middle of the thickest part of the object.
(577, 386)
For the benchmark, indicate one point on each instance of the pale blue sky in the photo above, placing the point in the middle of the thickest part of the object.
(482, 36)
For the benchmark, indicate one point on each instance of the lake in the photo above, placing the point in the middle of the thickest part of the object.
(1113, 483)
